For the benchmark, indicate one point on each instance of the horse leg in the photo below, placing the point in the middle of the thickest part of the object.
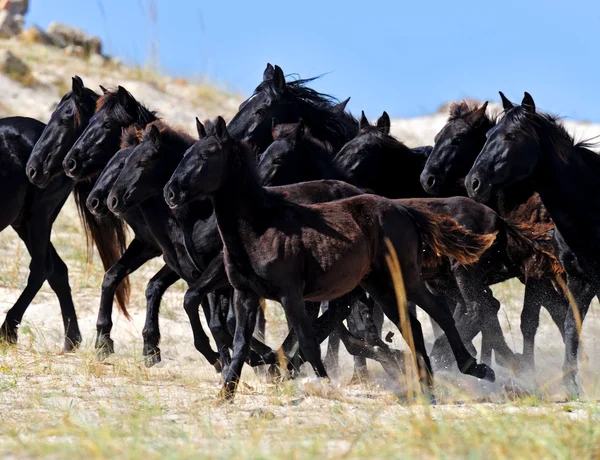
(246, 305)
(378, 286)
(333, 349)
(294, 307)
(136, 254)
(556, 304)
(157, 286)
(583, 294)
(530, 320)
(439, 310)
(59, 282)
(191, 301)
(36, 236)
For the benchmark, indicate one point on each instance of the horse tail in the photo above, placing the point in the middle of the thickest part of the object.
(531, 246)
(443, 236)
(108, 235)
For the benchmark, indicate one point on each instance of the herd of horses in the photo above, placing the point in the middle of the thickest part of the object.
(295, 200)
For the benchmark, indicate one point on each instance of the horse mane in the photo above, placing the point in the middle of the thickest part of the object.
(111, 102)
(131, 136)
(108, 234)
(316, 108)
(90, 99)
(549, 131)
(171, 135)
(461, 110)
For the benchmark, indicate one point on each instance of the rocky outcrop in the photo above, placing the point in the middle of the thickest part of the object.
(12, 17)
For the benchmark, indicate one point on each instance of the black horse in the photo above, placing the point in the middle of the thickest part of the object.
(32, 210)
(288, 102)
(456, 148)
(527, 144)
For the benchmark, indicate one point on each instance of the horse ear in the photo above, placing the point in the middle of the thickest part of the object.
(363, 123)
(154, 135)
(298, 131)
(477, 116)
(341, 107)
(77, 86)
(104, 90)
(125, 97)
(268, 73)
(200, 129)
(278, 78)
(506, 104)
(528, 103)
(384, 124)
(221, 129)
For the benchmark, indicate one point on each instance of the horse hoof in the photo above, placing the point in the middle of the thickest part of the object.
(152, 358)
(227, 393)
(571, 387)
(72, 343)
(8, 334)
(218, 366)
(484, 372)
(104, 348)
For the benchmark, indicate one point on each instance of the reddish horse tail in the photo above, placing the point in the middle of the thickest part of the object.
(109, 237)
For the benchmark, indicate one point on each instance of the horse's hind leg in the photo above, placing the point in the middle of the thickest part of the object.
(157, 286)
(136, 254)
(438, 309)
(293, 305)
(583, 294)
(36, 236)
(378, 286)
(59, 282)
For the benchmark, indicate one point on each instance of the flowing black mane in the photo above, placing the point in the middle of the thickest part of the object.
(319, 110)
(552, 136)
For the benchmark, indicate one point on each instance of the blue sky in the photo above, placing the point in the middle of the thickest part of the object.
(403, 57)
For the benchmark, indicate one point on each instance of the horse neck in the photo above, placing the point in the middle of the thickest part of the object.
(569, 192)
(240, 207)
(400, 174)
(318, 164)
(159, 219)
(508, 202)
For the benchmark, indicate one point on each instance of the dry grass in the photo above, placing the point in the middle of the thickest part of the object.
(57, 405)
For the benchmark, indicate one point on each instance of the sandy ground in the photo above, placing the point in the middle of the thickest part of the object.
(53, 403)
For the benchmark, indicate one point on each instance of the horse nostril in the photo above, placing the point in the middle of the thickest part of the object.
(114, 202)
(171, 194)
(32, 172)
(475, 184)
(430, 181)
(71, 164)
(95, 203)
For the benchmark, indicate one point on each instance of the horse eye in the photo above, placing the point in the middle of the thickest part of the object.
(277, 160)
(106, 125)
(511, 136)
(260, 112)
(142, 164)
(456, 140)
